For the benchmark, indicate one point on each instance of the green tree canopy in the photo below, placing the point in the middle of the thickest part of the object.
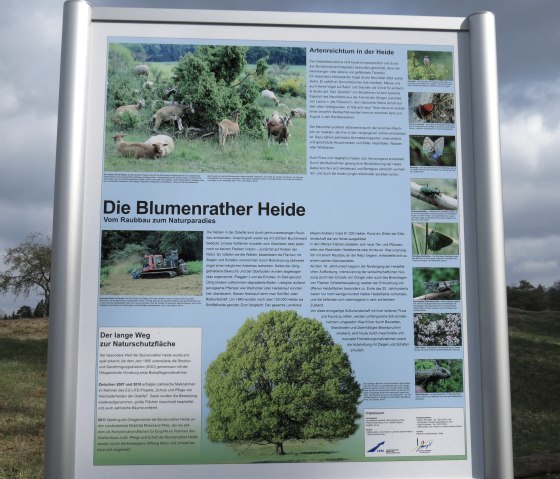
(215, 80)
(281, 377)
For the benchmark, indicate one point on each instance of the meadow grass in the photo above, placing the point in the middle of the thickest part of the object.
(195, 155)
(535, 389)
(23, 359)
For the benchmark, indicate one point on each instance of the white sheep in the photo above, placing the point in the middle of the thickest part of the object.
(271, 96)
(136, 149)
(228, 128)
(166, 142)
(298, 113)
(142, 70)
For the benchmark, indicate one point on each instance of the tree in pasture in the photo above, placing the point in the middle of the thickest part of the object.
(28, 269)
(281, 377)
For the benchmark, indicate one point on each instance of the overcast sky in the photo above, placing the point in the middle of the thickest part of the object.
(528, 41)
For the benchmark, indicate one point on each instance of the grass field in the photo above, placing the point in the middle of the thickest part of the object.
(535, 389)
(23, 360)
(534, 356)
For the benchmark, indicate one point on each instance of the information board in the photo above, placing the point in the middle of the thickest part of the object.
(270, 252)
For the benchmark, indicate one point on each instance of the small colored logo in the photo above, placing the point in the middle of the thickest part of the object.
(376, 448)
(423, 446)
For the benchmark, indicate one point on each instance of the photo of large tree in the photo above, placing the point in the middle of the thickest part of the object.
(281, 377)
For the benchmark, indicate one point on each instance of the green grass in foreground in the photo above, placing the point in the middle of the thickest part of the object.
(23, 360)
(535, 389)
(534, 350)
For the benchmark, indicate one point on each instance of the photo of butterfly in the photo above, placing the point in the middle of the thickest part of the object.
(436, 241)
(433, 148)
(425, 110)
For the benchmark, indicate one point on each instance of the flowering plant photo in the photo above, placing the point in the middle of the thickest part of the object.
(437, 329)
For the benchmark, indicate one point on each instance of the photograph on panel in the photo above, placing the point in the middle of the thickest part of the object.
(430, 65)
(432, 150)
(151, 263)
(438, 375)
(431, 107)
(437, 329)
(433, 194)
(435, 238)
(183, 108)
(284, 380)
(432, 284)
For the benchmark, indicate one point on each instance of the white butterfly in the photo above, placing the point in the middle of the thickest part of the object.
(434, 147)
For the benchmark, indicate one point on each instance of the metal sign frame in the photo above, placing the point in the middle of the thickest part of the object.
(488, 361)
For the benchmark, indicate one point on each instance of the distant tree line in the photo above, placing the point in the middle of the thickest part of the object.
(277, 55)
(167, 52)
(25, 312)
(534, 298)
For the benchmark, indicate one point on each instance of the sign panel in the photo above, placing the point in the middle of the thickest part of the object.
(277, 252)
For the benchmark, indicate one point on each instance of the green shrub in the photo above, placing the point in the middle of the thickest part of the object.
(292, 86)
(194, 267)
(126, 120)
(214, 79)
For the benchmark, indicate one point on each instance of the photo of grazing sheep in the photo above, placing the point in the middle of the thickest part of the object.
(271, 96)
(298, 113)
(166, 142)
(206, 109)
(138, 150)
(142, 70)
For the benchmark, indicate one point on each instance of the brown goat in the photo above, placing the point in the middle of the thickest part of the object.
(228, 128)
(138, 150)
(277, 128)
